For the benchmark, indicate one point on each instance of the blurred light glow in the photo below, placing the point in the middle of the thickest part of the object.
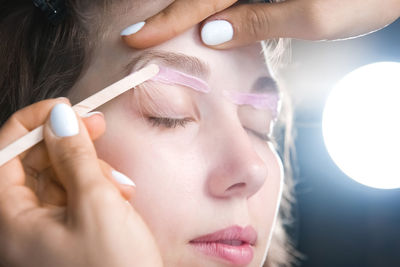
(361, 125)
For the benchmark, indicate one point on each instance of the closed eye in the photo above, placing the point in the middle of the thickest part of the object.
(172, 123)
(168, 122)
(263, 136)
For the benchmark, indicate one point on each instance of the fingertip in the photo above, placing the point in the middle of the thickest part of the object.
(122, 179)
(141, 35)
(126, 186)
(63, 121)
(132, 29)
(128, 192)
(132, 41)
(163, 26)
(64, 128)
(64, 100)
(95, 124)
(147, 37)
(216, 32)
(92, 115)
(249, 23)
(220, 31)
(135, 35)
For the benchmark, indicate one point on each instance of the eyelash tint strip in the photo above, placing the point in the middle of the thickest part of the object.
(269, 101)
(171, 76)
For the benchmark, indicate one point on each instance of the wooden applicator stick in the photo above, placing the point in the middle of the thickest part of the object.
(85, 106)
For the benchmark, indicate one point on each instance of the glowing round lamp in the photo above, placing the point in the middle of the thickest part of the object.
(361, 125)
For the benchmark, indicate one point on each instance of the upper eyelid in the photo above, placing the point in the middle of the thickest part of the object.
(146, 96)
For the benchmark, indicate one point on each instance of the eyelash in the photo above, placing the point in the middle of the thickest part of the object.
(169, 122)
(174, 123)
(262, 136)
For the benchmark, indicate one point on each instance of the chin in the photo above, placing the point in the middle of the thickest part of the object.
(192, 258)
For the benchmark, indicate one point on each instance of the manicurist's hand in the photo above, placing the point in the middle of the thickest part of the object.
(62, 206)
(244, 24)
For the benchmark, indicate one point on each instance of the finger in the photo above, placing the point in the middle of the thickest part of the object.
(14, 204)
(27, 119)
(246, 24)
(37, 165)
(15, 198)
(309, 20)
(42, 179)
(95, 124)
(37, 160)
(124, 184)
(76, 165)
(70, 150)
(19, 124)
(173, 20)
(51, 192)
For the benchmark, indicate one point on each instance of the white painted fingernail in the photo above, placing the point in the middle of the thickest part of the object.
(133, 28)
(217, 32)
(90, 114)
(122, 179)
(63, 121)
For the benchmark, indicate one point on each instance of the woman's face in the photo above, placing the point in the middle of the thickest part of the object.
(200, 161)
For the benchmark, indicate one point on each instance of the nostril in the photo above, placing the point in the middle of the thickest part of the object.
(237, 186)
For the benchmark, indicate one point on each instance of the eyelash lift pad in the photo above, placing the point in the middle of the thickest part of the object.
(171, 76)
(35, 136)
(269, 101)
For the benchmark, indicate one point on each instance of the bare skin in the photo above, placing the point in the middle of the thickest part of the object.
(301, 19)
(86, 221)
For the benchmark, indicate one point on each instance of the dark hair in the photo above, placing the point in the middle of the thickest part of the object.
(40, 60)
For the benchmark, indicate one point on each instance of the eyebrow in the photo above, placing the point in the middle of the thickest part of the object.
(194, 66)
(189, 64)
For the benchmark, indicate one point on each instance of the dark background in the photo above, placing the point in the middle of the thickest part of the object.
(339, 223)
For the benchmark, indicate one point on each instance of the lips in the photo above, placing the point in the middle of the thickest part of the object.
(233, 244)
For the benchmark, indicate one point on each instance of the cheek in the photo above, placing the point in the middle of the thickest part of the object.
(160, 168)
(264, 205)
(165, 172)
(170, 173)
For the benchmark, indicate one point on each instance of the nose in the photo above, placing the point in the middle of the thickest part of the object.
(237, 170)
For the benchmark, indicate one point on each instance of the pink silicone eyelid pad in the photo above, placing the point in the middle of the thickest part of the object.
(171, 76)
(268, 101)
(258, 101)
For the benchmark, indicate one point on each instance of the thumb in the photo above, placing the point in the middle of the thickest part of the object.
(173, 20)
(245, 24)
(75, 163)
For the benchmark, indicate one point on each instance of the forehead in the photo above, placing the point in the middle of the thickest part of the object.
(189, 43)
(237, 60)
(111, 57)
